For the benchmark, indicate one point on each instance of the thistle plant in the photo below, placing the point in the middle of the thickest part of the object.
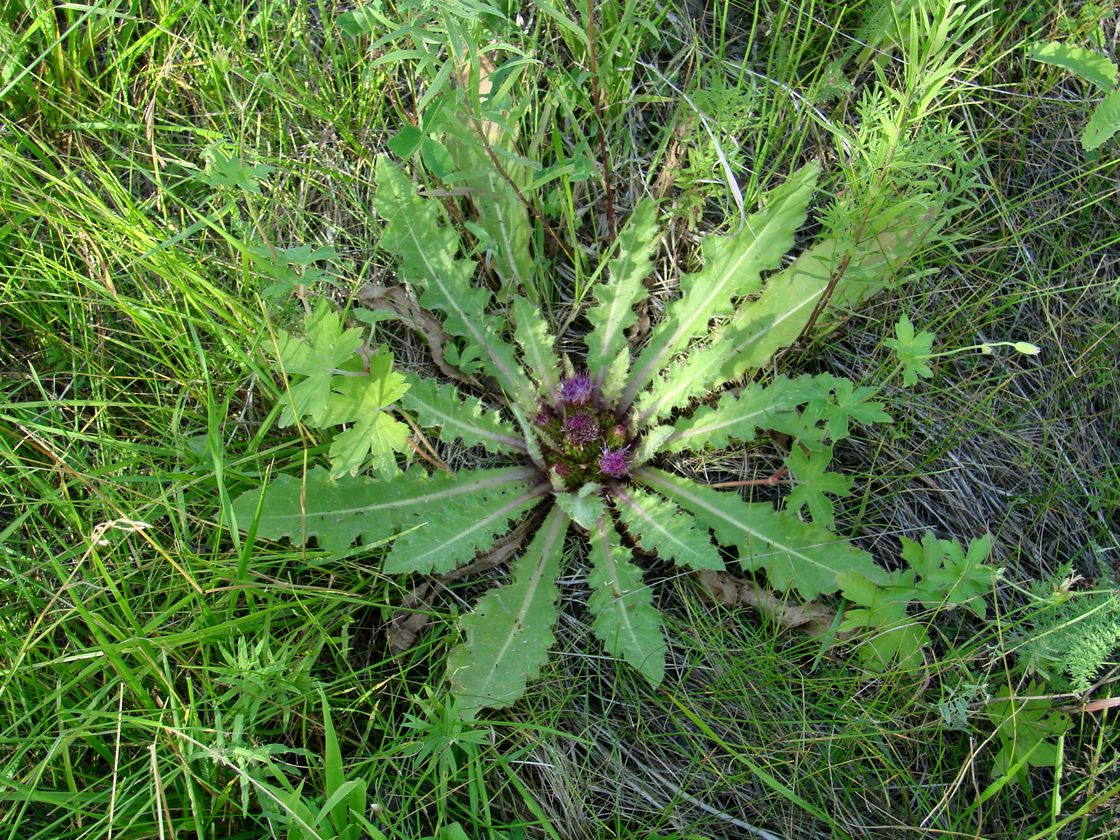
(582, 448)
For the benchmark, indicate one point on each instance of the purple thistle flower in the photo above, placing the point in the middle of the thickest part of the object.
(613, 463)
(577, 390)
(581, 428)
(544, 416)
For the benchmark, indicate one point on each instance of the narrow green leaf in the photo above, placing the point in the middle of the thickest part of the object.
(626, 622)
(1091, 66)
(536, 342)
(662, 528)
(338, 512)
(462, 418)
(458, 528)
(501, 213)
(1104, 123)
(737, 417)
(732, 266)
(616, 297)
(510, 631)
(774, 320)
(428, 250)
(802, 555)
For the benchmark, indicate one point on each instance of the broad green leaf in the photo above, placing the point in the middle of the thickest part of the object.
(338, 512)
(894, 635)
(452, 532)
(737, 417)
(361, 400)
(662, 528)
(428, 250)
(536, 342)
(732, 266)
(1104, 123)
(626, 622)
(584, 507)
(801, 555)
(510, 631)
(226, 170)
(624, 288)
(846, 402)
(326, 349)
(1025, 726)
(460, 418)
(1090, 66)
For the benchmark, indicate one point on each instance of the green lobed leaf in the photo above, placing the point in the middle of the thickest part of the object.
(896, 637)
(912, 350)
(338, 512)
(1104, 123)
(626, 622)
(376, 438)
(813, 482)
(616, 297)
(662, 528)
(732, 266)
(802, 555)
(510, 631)
(428, 250)
(845, 403)
(584, 507)
(948, 574)
(453, 532)
(537, 346)
(327, 348)
(361, 400)
(1025, 725)
(1091, 66)
(460, 417)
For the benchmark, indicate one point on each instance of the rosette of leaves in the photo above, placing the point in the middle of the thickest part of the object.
(579, 449)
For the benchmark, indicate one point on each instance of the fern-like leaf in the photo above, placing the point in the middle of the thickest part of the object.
(510, 631)
(462, 418)
(731, 270)
(537, 345)
(615, 299)
(452, 532)
(626, 622)
(428, 253)
(662, 528)
(338, 512)
(801, 555)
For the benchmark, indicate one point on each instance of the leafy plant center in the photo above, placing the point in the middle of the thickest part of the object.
(581, 440)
